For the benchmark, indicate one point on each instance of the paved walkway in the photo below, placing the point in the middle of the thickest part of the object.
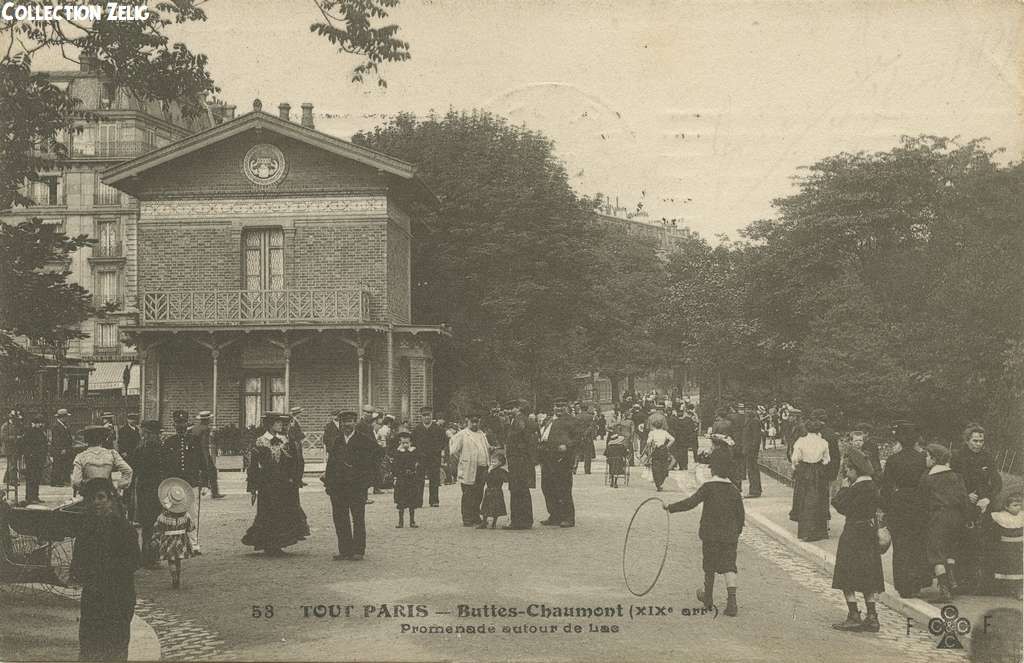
(771, 513)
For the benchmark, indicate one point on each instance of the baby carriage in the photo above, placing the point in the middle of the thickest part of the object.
(616, 468)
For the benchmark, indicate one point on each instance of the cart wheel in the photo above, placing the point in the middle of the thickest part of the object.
(60, 563)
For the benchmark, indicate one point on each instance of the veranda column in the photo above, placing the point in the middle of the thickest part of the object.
(213, 408)
(391, 369)
(141, 356)
(361, 361)
(287, 378)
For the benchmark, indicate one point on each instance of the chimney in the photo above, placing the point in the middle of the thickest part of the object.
(229, 112)
(284, 111)
(307, 115)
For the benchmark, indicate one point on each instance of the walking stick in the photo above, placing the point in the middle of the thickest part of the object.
(199, 514)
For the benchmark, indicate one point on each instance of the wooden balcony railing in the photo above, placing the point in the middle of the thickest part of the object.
(254, 307)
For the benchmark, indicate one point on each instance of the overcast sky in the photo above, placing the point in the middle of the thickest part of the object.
(703, 110)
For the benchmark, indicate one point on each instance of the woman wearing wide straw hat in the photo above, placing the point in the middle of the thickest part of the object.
(173, 524)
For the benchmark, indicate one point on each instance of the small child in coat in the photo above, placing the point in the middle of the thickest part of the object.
(1006, 554)
(493, 505)
(405, 465)
(721, 522)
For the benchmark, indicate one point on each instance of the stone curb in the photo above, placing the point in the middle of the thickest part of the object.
(920, 611)
(144, 645)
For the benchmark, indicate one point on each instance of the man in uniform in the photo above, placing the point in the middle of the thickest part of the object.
(905, 514)
(182, 456)
(520, 443)
(430, 439)
(61, 444)
(351, 460)
(558, 441)
(977, 467)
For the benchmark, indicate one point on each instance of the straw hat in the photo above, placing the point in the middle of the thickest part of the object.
(176, 495)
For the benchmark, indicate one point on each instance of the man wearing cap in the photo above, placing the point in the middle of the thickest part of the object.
(202, 435)
(558, 439)
(520, 447)
(183, 457)
(350, 466)
(61, 442)
(429, 437)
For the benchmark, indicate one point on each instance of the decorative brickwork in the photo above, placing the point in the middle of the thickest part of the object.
(356, 206)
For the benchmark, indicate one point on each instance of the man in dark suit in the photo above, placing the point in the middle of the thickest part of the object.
(128, 438)
(520, 447)
(558, 441)
(751, 449)
(351, 462)
(430, 439)
(61, 443)
(332, 431)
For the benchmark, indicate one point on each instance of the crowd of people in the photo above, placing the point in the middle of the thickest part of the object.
(946, 514)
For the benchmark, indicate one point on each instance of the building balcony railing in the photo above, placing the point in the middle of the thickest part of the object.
(106, 198)
(111, 148)
(254, 307)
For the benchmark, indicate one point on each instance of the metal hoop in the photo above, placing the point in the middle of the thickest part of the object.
(625, 544)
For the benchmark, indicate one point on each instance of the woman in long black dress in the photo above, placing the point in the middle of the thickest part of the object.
(274, 474)
(858, 562)
(104, 561)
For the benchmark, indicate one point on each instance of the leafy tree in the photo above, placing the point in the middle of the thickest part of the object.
(890, 284)
(36, 300)
(505, 255)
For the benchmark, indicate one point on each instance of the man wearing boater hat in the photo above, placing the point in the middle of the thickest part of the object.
(182, 456)
(203, 436)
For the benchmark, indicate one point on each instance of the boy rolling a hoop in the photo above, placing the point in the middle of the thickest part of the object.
(721, 522)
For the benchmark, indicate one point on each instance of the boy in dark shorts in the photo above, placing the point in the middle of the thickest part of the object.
(721, 522)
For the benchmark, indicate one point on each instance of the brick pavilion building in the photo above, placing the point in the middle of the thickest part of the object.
(269, 267)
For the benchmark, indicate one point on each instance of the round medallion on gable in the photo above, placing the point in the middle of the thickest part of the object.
(264, 164)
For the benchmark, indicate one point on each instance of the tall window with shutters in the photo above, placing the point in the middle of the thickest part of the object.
(264, 259)
(263, 393)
